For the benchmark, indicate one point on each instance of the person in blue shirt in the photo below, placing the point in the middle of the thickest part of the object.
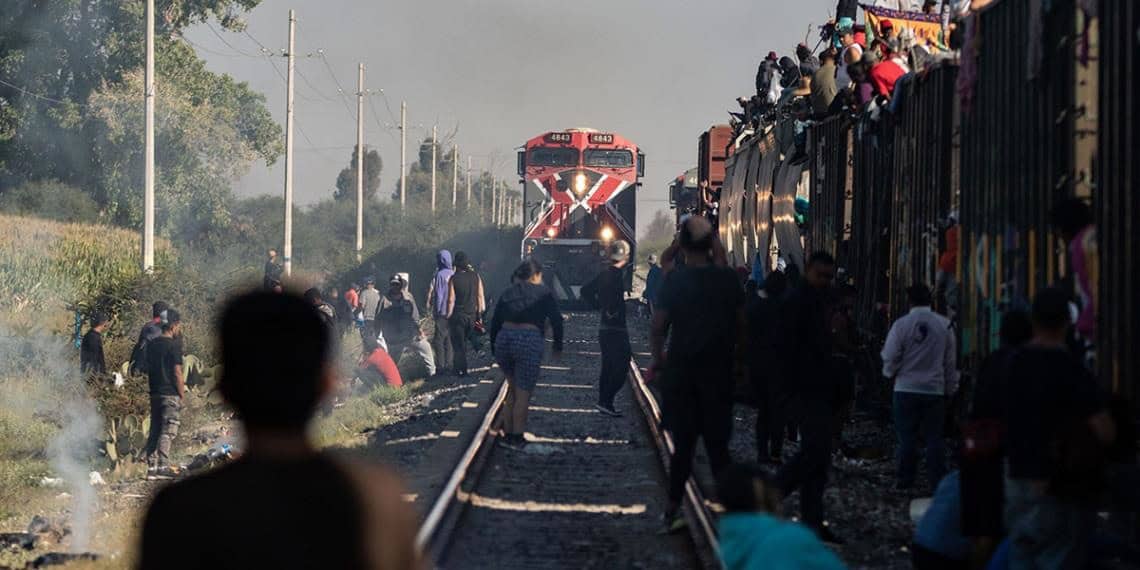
(938, 539)
(752, 534)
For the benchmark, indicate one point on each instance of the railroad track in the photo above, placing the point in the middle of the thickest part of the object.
(587, 493)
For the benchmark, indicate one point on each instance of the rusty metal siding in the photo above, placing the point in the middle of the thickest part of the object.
(1017, 161)
(1115, 201)
(923, 179)
(828, 153)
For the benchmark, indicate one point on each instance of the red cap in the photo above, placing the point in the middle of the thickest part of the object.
(887, 24)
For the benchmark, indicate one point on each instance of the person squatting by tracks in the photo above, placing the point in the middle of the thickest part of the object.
(517, 342)
(607, 293)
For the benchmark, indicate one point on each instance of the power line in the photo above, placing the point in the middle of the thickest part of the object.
(231, 46)
(41, 97)
(377, 120)
(339, 87)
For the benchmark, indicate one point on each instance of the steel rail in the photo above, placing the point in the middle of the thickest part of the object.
(700, 520)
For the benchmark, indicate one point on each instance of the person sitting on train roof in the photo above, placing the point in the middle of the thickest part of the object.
(823, 88)
(752, 534)
(886, 73)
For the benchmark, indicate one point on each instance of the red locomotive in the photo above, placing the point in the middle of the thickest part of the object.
(579, 195)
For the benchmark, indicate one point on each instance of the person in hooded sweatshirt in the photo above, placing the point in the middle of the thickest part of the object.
(517, 343)
(752, 534)
(437, 305)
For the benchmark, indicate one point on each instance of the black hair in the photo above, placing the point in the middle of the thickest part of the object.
(460, 262)
(157, 308)
(1051, 308)
(736, 489)
(775, 284)
(696, 243)
(99, 318)
(312, 295)
(821, 257)
(274, 351)
(1071, 215)
(919, 295)
(527, 269)
(1016, 328)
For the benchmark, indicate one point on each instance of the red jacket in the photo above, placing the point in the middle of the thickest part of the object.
(884, 75)
(384, 365)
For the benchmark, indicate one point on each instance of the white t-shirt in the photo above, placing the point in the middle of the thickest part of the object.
(842, 79)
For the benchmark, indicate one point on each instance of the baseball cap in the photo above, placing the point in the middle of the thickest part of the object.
(394, 279)
(652, 258)
(887, 25)
(170, 317)
(619, 250)
(369, 279)
(845, 25)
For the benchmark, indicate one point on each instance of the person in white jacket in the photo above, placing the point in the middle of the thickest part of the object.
(920, 354)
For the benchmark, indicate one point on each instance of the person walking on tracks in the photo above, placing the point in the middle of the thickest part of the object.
(437, 301)
(920, 355)
(465, 306)
(607, 293)
(805, 346)
(283, 504)
(702, 303)
(368, 303)
(764, 374)
(517, 343)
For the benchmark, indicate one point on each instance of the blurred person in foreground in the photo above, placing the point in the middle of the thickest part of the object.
(282, 504)
(91, 358)
(700, 310)
(753, 536)
(606, 292)
(1057, 432)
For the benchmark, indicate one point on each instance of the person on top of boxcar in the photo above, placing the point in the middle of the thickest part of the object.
(849, 51)
(886, 73)
(517, 343)
(823, 87)
(806, 345)
(699, 309)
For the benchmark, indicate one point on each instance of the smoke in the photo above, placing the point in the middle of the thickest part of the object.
(40, 382)
(69, 453)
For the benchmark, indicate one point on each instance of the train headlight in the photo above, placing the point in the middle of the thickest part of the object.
(607, 233)
(580, 183)
(551, 232)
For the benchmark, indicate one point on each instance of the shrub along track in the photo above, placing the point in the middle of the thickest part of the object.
(587, 492)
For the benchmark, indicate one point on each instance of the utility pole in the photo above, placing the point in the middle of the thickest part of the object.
(454, 176)
(148, 167)
(468, 202)
(434, 133)
(494, 201)
(288, 245)
(359, 161)
(403, 156)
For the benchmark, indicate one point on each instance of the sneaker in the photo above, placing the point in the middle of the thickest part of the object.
(514, 441)
(673, 522)
(607, 410)
(824, 533)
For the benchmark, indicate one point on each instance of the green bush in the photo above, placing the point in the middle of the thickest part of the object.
(52, 200)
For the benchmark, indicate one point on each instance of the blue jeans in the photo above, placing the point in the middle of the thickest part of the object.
(920, 416)
(1045, 533)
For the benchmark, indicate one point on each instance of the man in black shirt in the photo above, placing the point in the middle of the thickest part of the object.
(805, 347)
(273, 271)
(150, 331)
(167, 386)
(282, 504)
(91, 360)
(702, 303)
(607, 293)
(1057, 427)
(465, 305)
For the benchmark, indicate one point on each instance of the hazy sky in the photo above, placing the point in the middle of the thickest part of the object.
(657, 71)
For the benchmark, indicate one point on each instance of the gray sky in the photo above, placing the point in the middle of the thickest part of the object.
(657, 71)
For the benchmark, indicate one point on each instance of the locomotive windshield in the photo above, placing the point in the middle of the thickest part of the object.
(554, 156)
(609, 158)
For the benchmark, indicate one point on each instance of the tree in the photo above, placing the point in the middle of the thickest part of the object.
(76, 114)
(346, 180)
(660, 228)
